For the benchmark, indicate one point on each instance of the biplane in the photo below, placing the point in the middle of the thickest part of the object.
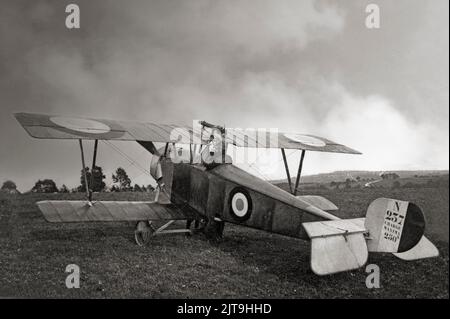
(198, 183)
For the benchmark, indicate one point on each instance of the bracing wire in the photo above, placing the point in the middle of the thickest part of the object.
(129, 159)
(252, 165)
(147, 172)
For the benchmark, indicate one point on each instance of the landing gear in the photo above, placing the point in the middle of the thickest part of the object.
(195, 226)
(145, 230)
(211, 227)
(214, 229)
(143, 233)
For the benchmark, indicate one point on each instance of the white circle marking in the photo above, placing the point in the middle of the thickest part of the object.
(305, 139)
(239, 212)
(81, 125)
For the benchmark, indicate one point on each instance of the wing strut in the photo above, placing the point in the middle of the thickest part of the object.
(83, 167)
(299, 171)
(94, 159)
(286, 167)
(88, 186)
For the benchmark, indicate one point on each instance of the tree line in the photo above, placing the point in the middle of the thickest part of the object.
(95, 181)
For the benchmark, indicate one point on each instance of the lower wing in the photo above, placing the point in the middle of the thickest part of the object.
(109, 211)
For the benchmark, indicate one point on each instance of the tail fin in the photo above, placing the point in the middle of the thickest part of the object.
(394, 226)
(390, 225)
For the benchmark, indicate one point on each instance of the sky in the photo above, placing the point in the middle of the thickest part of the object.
(299, 66)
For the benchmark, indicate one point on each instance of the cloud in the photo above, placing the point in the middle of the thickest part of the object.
(387, 138)
(305, 66)
(150, 51)
(371, 124)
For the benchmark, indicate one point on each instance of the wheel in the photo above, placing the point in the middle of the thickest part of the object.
(143, 233)
(214, 230)
(195, 225)
(189, 226)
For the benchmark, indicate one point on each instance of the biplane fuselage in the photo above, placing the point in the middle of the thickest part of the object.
(230, 194)
(202, 189)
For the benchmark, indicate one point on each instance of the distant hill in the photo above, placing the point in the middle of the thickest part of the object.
(408, 182)
(341, 176)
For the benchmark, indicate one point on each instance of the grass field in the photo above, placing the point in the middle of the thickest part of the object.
(246, 264)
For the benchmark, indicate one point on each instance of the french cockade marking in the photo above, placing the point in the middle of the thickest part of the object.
(81, 125)
(240, 204)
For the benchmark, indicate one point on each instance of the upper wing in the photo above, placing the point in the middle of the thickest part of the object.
(109, 211)
(57, 127)
(252, 138)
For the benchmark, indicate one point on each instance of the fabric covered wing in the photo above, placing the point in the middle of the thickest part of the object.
(258, 139)
(59, 127)
(109, 211)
